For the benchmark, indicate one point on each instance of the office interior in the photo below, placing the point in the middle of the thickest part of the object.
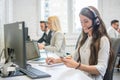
(33, 11)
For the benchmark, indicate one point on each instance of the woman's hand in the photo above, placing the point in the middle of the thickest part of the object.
(51, 60)
(70, 62)
(41, 46)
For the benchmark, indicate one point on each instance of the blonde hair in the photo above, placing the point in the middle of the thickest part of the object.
(55, 23)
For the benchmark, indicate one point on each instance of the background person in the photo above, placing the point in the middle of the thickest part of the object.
(46, 37)
(57, 43)
(113, 31)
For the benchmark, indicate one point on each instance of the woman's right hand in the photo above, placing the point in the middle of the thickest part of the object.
(51, 60)
(41, 46)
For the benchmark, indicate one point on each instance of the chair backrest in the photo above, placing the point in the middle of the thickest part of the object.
(115, 46)
(78, 40)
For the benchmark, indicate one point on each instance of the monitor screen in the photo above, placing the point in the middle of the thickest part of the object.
(32, 50)
(14, 38)
(27, 37)
(26, 33)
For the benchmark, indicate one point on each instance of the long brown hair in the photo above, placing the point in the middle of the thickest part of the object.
(98, 31)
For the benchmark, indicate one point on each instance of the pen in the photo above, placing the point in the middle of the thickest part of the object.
(48, 62)
(47, 57)
(46, 53)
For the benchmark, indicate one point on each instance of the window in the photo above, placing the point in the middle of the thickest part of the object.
(67, 11)
(1, 23)
(77, 6)
(44, 9)
(5, 15)
(55, 7)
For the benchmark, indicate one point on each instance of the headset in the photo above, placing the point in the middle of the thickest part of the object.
(46, 24)
(96, 19)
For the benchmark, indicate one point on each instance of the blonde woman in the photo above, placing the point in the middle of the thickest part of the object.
(57, 43)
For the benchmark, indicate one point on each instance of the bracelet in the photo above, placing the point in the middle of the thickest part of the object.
(78, 66)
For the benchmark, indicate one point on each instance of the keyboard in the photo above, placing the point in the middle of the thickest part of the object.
(34, 73)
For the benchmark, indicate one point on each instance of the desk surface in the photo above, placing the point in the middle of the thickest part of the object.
(57, 73)
(60, 72)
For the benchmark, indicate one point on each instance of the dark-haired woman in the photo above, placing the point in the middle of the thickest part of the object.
(93, 55)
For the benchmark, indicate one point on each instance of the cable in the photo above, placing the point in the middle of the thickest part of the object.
(0, 60)
(1, 53)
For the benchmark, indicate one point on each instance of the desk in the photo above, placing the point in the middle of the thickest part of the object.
(60, 72)
(57, 73)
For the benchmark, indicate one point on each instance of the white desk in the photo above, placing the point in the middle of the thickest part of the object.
(60, 72)
(57, 73)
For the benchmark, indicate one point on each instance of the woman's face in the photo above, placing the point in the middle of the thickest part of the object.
(86, 23)
(49, 24)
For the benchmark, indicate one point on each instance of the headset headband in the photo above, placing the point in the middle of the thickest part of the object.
(94, 13)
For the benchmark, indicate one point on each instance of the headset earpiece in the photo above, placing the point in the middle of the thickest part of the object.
(45, 24)
(96, 20)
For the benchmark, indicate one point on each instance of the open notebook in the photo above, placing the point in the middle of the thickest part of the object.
(51, 65)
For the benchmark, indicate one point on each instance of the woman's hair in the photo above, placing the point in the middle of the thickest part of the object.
(99, 30)
(55, 23)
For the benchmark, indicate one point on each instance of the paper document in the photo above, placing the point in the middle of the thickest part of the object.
(50, 65)
(37, 62)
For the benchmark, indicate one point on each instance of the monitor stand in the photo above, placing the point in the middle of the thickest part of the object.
(13, 74)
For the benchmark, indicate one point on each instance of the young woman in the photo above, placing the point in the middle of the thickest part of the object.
(93, 54)
(57, 43)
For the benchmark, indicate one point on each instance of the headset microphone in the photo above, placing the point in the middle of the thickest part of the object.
(89, 27)
(45, 25)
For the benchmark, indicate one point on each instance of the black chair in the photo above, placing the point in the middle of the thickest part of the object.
(118, 55)
(115, 45)
(78, 41)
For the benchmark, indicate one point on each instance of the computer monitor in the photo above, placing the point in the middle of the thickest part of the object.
(15, 43)
(14, 40)
(27, 37)
(26, 33)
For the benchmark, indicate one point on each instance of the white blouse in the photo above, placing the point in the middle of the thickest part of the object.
(103, 56)
(113, 33)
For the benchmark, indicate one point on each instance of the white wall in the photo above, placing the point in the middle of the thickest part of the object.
(5, 17)
(27, 10)
(110, 9)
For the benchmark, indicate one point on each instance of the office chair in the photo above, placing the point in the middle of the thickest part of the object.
(117, 49)
(118, 55)
(78, 40)
(115, 45)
